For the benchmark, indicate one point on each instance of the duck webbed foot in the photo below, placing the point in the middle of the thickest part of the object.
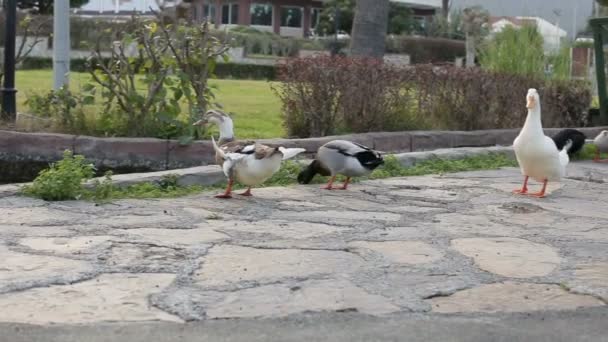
(345, 185)
(228, 192)
(541, 193)
(329, 185)
(524, 188)
(598, 159)
(247, 193)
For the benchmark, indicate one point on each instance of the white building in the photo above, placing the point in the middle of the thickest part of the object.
(552, 34)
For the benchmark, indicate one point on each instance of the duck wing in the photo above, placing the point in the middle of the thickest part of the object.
(365, 155)
(232, 154)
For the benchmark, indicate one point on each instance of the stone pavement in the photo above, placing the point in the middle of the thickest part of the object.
(458, 245)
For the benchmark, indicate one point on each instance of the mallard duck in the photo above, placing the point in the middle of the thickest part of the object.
(536, 153)
(341, 157)
(578, 140)
(251, 164)
(225, 125)
(601, 146)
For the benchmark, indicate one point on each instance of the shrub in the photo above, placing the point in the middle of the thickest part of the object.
(472, 99)
(222, 70)
(246, 71)
(63, 107)
(324, 95)
(63, 180)
(176, 63)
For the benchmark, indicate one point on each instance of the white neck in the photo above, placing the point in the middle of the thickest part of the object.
(226, 128)
(533, 123)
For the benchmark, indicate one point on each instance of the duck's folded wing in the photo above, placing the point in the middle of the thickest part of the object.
(346, 148)
(245, 147)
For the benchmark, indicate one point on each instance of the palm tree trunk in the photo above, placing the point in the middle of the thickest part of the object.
(445, 8)
(369, 28)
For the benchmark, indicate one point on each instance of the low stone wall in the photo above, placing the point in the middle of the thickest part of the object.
(23, 155)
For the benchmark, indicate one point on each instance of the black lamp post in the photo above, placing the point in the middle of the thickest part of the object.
(9, 110)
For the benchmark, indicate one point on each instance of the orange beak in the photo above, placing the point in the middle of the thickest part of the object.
(531, 103)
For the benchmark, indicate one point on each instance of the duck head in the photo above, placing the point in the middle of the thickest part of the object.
(221, 120)
(533, 100)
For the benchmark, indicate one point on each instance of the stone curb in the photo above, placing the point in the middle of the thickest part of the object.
(23, 155)
(213, 175)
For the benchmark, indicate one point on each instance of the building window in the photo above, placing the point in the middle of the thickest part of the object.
(315, 17)
(261, 14)
(291, 16)
(230, 14)
(209, 13)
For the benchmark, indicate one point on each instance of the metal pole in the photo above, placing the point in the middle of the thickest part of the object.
(61, 44)
(9, 106)
(600, 66)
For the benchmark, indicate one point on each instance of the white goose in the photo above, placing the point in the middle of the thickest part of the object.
(251, 164)
(537, 154)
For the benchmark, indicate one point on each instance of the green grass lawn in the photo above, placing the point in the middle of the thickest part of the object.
(255, 108)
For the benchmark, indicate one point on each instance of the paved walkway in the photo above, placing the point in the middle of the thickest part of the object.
(443, 247)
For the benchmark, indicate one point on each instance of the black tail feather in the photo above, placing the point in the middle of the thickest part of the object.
(577, 137)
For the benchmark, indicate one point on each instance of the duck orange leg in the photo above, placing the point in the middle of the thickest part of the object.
(247, 193)
(540, 194)
(330, 184)
(524, 188)
(228, 192)
(597, 157)
(345, 185)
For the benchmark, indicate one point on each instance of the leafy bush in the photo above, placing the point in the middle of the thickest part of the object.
(63, 107)
(505, 52)
(256, 42)
(472, 99)
(176, 63)
(246, 71)
(222, 70)
(63, 180)
(323, 96)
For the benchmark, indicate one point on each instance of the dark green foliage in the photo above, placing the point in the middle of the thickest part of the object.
(63, 180)
(222, 70)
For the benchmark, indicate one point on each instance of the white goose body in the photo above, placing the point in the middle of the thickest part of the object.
(536, 153)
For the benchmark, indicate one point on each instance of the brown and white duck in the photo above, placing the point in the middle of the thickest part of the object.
(251, 164)
(244, 161)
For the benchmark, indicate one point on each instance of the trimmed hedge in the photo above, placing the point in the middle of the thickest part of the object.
(424, 50)
(324, 96)
(222, 70)
(246, 71)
